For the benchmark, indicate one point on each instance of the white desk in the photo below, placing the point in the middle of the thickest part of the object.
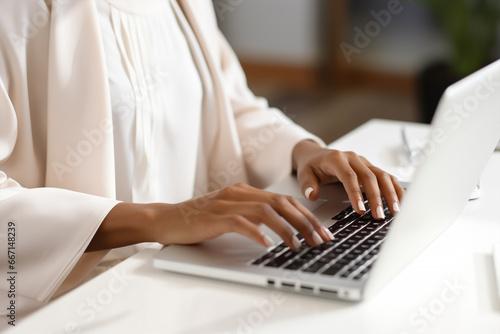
(448, 289)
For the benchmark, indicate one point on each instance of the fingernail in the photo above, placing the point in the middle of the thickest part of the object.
(395, 207)
(308, 192)
(316, 238)
(380, 212)
(295, 242)
(268, 241)
(361, 205)
(330, 235)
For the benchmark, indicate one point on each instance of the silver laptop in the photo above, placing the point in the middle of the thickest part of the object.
(367, 253)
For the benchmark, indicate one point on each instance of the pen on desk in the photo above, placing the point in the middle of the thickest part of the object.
(410, 154)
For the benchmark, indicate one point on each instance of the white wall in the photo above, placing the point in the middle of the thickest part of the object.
(272, 31)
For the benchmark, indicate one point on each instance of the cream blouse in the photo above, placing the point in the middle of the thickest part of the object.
(157, 97)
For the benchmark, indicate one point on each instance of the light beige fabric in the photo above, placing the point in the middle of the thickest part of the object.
(156, 99)
(56, 134)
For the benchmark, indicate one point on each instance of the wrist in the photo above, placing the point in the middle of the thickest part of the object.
(302, 150)
(150, 218)
(126, 224)
(161, 219)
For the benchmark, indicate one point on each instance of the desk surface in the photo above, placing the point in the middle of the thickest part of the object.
(449, 288)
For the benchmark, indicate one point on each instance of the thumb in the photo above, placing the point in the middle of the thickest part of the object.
(308, 184)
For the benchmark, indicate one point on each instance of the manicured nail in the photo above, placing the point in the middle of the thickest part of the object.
(308, 192)
(268, 241)
(317, 239)
(295, 242)
(380, 212)
(361, 205)
(330, 235)
(395, 207)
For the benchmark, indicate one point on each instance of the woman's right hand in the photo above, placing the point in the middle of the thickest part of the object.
(238, 208)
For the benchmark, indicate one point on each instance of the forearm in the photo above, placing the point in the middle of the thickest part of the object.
(126, 224)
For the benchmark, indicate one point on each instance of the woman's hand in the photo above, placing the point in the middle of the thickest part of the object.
(316, 166)
(238, 208)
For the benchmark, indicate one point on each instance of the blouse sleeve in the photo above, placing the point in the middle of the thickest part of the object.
(266, 134)
(43, 231)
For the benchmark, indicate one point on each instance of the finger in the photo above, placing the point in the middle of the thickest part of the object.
(322, 230)
(349, 179)
(267, 207)
(388, 190)
(399, 188)
(241, 225)
(371, 185)
(400, 191)
(308, 183)
(306, 226)
(260, 212)
(278, 213)
(388, 186)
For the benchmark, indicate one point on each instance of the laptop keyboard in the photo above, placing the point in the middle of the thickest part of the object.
(351, 255)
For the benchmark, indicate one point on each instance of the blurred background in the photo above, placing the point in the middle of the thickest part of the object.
(331, 65)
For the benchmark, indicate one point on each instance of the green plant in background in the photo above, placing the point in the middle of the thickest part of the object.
(472, 28)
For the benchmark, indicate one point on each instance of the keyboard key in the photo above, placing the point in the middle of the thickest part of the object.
(370, 240)
(358, 276)
(278, 248)
(348, 230)
(363, 272)
(333, 270)
(324, 260)
(350, 256)
(353, 216)
(357, 251)
(366, 218)
(364, 232)
(350, 242)
(259, 261)
(344, 213)
(328, 244)
(316, 251)
(354, 226)
(314, 267)
(296, 264)
(366, 258)
(341, 235)
(357, 237)
(263, 258)
(336, 227)
(347, 273)
(354, 268)
(282, 259)
(339, 250)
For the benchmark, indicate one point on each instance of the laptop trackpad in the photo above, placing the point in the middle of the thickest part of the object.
(311, 206)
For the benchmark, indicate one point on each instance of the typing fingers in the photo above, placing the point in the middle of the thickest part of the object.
(276, 211)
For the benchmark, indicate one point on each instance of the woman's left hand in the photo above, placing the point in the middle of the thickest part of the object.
(316, 165)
